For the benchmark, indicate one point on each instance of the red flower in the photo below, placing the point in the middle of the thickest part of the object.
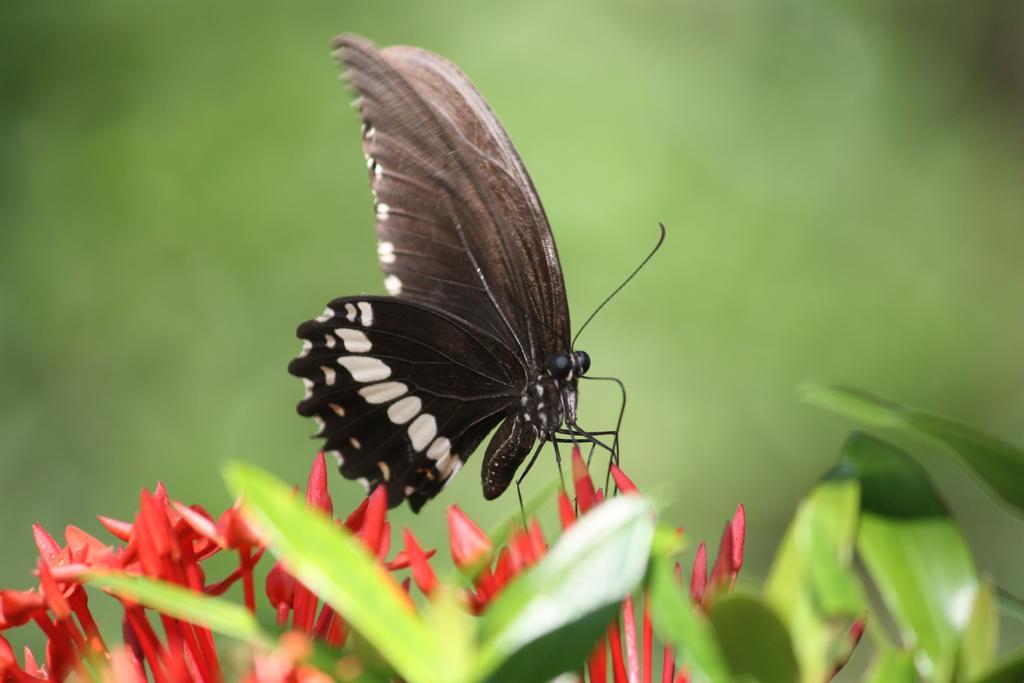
(171, 542)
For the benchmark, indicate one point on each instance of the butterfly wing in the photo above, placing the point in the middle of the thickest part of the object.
(403, 392)
(459, 222)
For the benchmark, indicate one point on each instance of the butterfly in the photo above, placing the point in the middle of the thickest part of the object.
(475, 333)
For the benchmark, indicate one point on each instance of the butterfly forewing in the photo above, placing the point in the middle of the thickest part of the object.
(459, 223)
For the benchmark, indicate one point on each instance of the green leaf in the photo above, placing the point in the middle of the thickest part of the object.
(981, 635)
(546, 621)
(1008, 669)
(754, 639)
(678, 622)
(811, 583)
(914, 553)
(997, 464)
(893, 666)
(217, 614)
(336, 567)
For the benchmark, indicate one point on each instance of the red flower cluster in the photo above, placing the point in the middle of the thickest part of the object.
(170, 542)
(166, 541)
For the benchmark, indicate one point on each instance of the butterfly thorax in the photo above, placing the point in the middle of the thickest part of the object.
(550, 400)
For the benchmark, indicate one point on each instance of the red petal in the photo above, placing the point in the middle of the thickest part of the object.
(699, 577)
(48, 547)
(200, 523)
(52, 592)
(422, 573)
(597, 662)
(682, 677)
(629, 628)
(279, 586)
(565, 511)
(586, 498)
(354, 522)
(615, 647)
(469, 544)
(373, 522)
(120, 530)
(17, 607)
(739, 532)
(624, 483)
(317, 494)
(236, 530)
(401, 560)
(647, 664)
(85, 548)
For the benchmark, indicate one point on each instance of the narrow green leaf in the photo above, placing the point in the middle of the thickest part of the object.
(811, 583)
(217, 614)
(914, 553)
(337, 568)
(546, 621)
(996, 463)
(892, 666)
(981, 635)
(1008, 669)
(678, 622)
(754, 639)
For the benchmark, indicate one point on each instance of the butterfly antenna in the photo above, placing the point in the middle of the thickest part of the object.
(625, 282)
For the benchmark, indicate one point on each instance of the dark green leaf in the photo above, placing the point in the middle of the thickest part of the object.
(999, 465)
(678, 622)
(546, 621)
(216, 614)
(754, 639)
(336, 567)
(1008, 669)
(914, 553)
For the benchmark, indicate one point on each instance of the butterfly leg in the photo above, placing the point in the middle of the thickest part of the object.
(519, 481)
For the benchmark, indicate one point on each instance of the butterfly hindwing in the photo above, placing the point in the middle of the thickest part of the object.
(403, 392)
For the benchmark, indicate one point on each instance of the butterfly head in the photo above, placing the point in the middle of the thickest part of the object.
(566, 366)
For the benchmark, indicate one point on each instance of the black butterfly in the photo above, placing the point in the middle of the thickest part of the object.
(476, 332)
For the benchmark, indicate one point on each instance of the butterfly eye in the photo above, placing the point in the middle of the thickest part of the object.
(583, 361)
(559, 365)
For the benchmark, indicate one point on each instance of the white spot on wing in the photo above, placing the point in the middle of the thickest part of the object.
(456, 466)
(383, 210)
(386, 252)
(337, 456)
(355, 442)
(365, 368)
(354, 340)
(365, 483)
(307, 346)
(330, 341)
(308, 383)
(365, 313)
(329, 375)
(326, 315)
(422, 431)
(383, 392)
(385, 470)
(350, 313)
(439, 448)
(393, 285)
(338, 410)
(409, 490)
(404, 410)
(320, 425)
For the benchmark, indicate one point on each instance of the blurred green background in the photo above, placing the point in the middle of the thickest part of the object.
(181, 184)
